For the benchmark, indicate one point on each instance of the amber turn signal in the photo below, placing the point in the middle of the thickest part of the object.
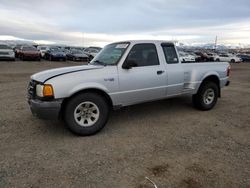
(48, 90)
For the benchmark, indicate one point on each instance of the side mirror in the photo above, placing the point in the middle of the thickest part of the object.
(129, 64)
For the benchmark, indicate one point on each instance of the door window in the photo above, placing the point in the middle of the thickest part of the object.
(143, 55)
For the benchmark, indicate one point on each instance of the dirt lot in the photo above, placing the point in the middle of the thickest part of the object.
(168, 141)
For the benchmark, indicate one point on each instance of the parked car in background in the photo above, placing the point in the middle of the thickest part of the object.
(77, 55)
(55, 53)
(78, 48)
(92, 51)
(42, 50)
(29, 52)
(204, 57)
(17, 50)
(6, 52)
(229, 58)
(197, 57)
(186, 57)
(212, 56)
(244, 57)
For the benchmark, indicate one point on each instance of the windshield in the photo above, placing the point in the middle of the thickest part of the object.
(5, 47)
(182, 54)
(111, 54)
(29, 49)
(76, 52)
(55, 50)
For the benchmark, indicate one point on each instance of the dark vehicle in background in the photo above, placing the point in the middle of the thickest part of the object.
(29, 53)
(55, 53)
(17, 50)
(77, 55)
(244, 57)
(204, 57)
(92, 51)
(6, 53)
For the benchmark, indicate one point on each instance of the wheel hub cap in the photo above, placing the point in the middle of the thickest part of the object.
(209, 96)
(86, 114)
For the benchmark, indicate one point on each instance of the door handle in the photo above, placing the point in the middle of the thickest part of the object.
(160, 72)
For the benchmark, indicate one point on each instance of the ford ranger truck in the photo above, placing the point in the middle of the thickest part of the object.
(123, 74)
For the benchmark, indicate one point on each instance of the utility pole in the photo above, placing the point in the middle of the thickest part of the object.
(215, 44)
(83, 39)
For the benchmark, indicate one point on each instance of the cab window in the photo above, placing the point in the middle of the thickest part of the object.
(143, 55)
(170, 53)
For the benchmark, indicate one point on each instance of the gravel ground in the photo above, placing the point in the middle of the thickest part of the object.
(168, 141)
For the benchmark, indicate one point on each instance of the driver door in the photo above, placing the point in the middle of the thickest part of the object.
(146, 80)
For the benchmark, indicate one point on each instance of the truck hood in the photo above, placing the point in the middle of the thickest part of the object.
(48, 74)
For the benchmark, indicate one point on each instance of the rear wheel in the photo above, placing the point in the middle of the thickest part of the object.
(86, 114)
(207, 96)
(232, 61)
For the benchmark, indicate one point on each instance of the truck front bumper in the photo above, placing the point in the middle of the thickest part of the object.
(45, 109)
(228, 83)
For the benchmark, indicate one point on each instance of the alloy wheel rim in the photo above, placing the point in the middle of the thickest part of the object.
(209, 96)
(86, 114)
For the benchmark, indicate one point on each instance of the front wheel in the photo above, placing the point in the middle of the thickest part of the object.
(232, 61)
(86, 114)
(206, 97)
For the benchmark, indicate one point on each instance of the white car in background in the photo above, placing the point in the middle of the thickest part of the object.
(6, 52)
(42, 50)
(186, 57)
(92, 52)
(213, 56)
(229, 58)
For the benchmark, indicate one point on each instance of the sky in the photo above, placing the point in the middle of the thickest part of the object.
(99, 22)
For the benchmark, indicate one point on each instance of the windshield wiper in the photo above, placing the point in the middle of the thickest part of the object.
(99, 63)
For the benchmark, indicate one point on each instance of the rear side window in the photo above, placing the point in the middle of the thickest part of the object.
(143, 55)
(170, 53)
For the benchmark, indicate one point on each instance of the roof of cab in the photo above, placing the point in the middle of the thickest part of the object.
(146, 41)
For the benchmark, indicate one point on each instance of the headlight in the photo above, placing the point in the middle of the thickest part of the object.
(39, 90)
(44, 90)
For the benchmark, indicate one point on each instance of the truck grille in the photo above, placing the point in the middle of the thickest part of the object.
(32, 89)
(4, 53)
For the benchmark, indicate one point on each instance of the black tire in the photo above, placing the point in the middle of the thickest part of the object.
(232, 61)
(71, 106)
(199, 98)
(91, 57)
(217, 60)
(50, 58)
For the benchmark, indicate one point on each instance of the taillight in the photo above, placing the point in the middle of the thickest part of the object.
(228, 71)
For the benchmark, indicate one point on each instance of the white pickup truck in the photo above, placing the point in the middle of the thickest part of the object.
(123, 74)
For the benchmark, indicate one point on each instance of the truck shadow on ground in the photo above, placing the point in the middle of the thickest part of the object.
(131, 114)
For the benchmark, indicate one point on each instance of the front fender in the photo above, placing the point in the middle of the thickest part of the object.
(90, 85)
